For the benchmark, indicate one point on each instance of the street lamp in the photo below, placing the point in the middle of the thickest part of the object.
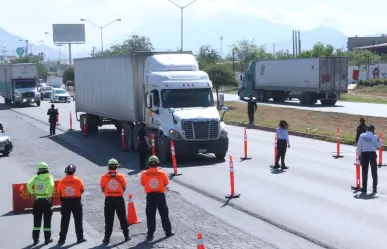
(101, 28)
(32, 44)
(58, 45)
(182, 8)
(26, 52)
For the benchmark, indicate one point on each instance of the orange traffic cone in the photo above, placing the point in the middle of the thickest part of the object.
(200, 242)
(132, 213)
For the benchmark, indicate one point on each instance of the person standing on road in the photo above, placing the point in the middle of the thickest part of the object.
(113, 185)
(361, 128)
(53, 114)
(1, 127)
(70, 189)
(282, 143)
(251, 109)
(143, 147)
(41, 186)
(154, 181)
(366, 147)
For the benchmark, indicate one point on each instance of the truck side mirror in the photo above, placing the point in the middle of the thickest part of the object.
(224, 110)
(149, 101)
(221, 99)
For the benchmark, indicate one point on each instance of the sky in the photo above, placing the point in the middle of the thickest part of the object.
(33, 18)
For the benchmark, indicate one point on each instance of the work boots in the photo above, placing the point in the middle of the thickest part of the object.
(35, 236)
(47, 238)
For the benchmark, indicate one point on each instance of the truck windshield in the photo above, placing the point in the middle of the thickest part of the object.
(25, 83)
(179, 98)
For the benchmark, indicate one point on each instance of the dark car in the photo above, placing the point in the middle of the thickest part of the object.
(6, 144)
(45, 92)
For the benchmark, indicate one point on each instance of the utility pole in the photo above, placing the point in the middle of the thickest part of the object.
(299, 42)
(273, 49)
(294, 52)
(296, 42)
(93, 52)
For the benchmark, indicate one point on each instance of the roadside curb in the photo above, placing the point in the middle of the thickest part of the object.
(255, 215)
(297, 134)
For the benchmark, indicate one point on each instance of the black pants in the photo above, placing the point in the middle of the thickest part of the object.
(52, 127)
(281, 151)
(369, 158)
(251, 117)
(157, 201)
(74, 206)
(142, 155)
(42, 209)
(115, 205)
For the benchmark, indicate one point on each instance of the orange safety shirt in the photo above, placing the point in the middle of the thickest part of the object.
(113, 183)
(154, 180)
(70, 186)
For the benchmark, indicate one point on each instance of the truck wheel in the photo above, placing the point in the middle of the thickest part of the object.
(128, 129)
(220, 156)
(38, 103)
(136, 142)
(164, 150)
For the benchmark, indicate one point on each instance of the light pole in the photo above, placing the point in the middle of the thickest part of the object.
(4, 51)
(182, 8)
(233, 57)
(26, 52)
(58, 45)
(101, 28)
(32, 44)
(221, 46)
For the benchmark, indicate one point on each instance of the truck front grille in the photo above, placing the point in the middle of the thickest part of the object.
(201, 130)
(28, 95)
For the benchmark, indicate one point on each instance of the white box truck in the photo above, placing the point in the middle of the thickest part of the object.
(55, 81)
(19, 83)
(165, 91)
(308, 80)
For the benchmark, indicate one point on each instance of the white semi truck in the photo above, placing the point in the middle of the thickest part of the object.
(307, 80)
(166, 91)
(19, 83)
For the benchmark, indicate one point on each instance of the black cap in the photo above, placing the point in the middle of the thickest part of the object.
(52, 105)
(371, 128)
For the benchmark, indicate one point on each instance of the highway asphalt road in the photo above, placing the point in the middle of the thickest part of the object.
(368, 109)
(190, 212)
(312, 198)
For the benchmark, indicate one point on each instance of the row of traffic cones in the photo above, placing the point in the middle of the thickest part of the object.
(133, 219)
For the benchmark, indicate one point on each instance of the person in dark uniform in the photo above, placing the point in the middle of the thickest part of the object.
(52, 113)
(143, 147)
(41, 186)
(361, 128)
(155, 181)
(1, 127)
(251, 109)
(282, 143)
(113, 185)
(366, 147)
(70, 189)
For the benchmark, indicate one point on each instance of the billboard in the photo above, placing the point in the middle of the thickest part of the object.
(68, 33)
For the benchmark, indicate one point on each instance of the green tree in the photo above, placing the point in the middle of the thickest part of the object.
(359, 57)
(221, 77)
(68, 74)
(38, 59)
(283, 54)
(134, 43)
(208, 55)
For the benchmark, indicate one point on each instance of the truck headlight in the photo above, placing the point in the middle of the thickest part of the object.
(224, 133)
(174, 135)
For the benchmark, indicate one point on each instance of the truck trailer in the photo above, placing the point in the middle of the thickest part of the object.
(165, 91)
(19, 83)
(308, 80)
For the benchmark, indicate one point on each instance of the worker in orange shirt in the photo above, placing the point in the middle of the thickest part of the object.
(70, 189)
(113, 185)
(154, 181)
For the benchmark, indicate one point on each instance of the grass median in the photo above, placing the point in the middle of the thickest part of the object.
(321, 124)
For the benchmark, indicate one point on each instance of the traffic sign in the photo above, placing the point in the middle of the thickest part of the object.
(20, 51)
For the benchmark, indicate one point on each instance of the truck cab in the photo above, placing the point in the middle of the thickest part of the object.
(180, 107)
(247, 82)
(21, 86)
